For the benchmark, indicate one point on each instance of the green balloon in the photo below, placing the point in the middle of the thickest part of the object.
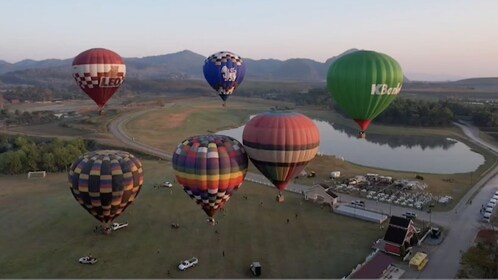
(364, 83)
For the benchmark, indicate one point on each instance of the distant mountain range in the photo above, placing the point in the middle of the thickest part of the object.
(176, 66)
(184, 65)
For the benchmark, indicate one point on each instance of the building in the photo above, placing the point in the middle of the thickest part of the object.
(318, 194)
(377, 266)
(400, 236)
(360, 213)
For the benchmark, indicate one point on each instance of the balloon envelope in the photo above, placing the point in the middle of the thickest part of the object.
(210, 168)
(364, 83)
(281, 144)
(99, 73)
(224, 71)
(106, 182)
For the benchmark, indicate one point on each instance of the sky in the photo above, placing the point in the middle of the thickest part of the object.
(443, 39)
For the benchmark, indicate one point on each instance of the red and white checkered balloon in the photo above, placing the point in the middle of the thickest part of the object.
(99, 73)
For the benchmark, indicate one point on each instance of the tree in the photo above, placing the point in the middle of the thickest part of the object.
(48, 162)
(12, 162)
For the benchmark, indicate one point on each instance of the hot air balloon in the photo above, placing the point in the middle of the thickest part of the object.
(210, 168)
(99, 73)
(363, 84)
(224, 71)
(105, 183)
(280, 145)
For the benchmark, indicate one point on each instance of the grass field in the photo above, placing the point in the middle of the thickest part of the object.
(166, 128)
(44, 232)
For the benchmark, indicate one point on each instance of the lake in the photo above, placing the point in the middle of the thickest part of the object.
(429, 154)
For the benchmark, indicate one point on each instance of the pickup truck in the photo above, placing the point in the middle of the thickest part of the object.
(116, 226)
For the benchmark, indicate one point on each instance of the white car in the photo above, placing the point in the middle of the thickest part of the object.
(188, 263)
(88, 260)
(167, 184)
(116, 226)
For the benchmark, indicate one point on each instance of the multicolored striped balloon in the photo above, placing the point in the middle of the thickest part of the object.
(281, 144)
(210, 168)
(99, 73)
(106, 182)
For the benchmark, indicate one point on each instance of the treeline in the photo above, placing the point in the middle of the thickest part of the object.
(19, 154)
(417, 113)
(25, 118)
(412, 112)
(40, 93)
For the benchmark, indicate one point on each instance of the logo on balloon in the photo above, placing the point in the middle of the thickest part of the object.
(229, 74)
(384, 89)
(111, 78)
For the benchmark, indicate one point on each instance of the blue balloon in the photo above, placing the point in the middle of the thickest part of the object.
(224, 71)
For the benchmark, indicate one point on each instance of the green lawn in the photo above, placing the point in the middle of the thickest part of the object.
(44, 232)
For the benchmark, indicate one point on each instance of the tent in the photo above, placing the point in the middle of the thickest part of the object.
(419, 261)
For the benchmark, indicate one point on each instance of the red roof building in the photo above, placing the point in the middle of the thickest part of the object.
(400, 236)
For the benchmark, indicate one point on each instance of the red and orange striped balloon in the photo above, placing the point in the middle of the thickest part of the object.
(281, 144)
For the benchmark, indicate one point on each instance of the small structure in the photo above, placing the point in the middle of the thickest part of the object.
(400, 236)
(419, 261)
(335, 174)
(255, 268)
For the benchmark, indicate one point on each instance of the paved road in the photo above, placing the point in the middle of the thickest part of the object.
(463, 222)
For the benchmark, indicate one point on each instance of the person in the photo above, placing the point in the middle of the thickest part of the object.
(288, 220)
(223, 253)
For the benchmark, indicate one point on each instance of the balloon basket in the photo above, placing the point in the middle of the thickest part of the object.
(280, 198)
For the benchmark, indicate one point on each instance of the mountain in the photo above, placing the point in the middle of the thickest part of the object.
(183, 65)
(176, 66)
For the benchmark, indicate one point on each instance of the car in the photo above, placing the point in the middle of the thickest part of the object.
(88, 260)
(116, 226)
(486, 217)
(167, 184)
(410, 215)
(188, 263)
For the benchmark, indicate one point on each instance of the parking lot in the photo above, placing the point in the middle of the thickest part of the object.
(401, 192)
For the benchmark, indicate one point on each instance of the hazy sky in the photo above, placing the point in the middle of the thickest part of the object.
(443, 38)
